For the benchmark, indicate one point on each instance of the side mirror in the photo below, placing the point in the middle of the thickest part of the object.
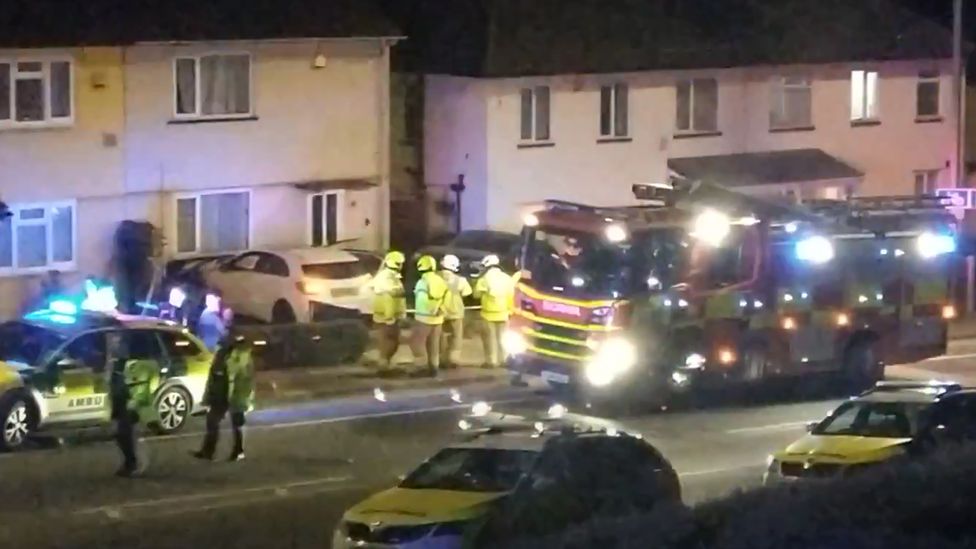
(811, 426)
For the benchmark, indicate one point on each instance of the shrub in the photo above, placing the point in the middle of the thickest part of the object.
(301, 345)
(927, 504)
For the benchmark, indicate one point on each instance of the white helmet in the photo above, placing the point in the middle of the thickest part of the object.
(490, 261)
(451, 263)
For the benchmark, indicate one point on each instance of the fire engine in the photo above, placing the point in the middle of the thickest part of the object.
(701, 285)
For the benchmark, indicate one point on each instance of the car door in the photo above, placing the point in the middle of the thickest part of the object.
(272, 281)
(235, 281)
(78, 385)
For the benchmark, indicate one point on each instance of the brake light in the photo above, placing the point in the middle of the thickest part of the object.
(949, 312)
(726, 356)
(310, 287)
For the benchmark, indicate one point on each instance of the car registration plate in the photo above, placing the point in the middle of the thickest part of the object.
(345, 292)
(560, 308)
(555, 377)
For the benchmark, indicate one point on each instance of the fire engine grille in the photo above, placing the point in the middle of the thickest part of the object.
(559, 331)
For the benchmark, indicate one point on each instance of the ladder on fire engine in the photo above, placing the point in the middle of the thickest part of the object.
(886, 214)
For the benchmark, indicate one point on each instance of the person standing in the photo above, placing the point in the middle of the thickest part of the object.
(458, 288)
(389, 308)
(211, 327)
(494, 288)
(132, 385)
(429, 295)
(229, 390)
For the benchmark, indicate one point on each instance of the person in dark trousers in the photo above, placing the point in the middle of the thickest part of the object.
(230, 389)
(131, 388)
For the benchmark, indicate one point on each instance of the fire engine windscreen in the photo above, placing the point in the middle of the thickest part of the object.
(584, 264)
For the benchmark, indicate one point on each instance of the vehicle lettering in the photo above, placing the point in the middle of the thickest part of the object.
(85, 402)
(560, 308)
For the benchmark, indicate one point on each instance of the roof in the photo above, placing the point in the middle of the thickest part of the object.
(54, 23)
(764, 168)
(507, 38)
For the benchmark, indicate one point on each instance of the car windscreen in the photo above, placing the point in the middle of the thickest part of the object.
(873, 419)
(27, 343)
(334, 271)
(472, 469)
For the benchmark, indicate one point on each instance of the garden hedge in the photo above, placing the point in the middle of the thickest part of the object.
(331, 343)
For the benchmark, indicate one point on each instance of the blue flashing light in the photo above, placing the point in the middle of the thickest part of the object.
(815, 249)
(63, 307)
(931, 245)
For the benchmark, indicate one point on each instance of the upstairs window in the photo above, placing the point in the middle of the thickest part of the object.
(35, 93)
(213, 86)
(697, 106)
(864, 96)
(927, 96)
(535, 114)
(790, 103)
(38, 237)
(613, 111)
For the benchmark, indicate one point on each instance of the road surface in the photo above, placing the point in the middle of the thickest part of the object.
(306, 464)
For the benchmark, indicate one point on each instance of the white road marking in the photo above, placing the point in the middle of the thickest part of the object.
(774, 427)
(949, 357)
(115, 510)
(706, 472)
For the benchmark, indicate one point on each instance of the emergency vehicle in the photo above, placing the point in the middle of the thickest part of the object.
(705, 285)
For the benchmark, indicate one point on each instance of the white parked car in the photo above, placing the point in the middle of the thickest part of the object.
(298, 285)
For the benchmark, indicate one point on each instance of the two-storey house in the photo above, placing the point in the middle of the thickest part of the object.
(227, 125)
(577, 101)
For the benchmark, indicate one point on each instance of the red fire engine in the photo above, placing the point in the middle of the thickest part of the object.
(703, 285)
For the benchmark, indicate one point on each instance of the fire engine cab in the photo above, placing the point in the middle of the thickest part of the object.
(702, 285)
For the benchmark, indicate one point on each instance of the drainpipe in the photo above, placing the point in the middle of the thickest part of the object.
(458, 188)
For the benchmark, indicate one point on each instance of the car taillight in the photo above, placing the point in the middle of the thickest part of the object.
(310, 287)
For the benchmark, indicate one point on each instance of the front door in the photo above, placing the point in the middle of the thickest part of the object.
(77, 384)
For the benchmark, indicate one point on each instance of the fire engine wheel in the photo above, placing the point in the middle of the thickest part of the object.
(862, 369)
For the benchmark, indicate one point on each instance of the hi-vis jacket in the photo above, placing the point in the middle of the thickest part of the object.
(495, 289)
(389, 301)
(458, 288)
(429, 295)
(231, 380)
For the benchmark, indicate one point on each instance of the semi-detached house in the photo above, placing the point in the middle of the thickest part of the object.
(228, 126)
(570, 100)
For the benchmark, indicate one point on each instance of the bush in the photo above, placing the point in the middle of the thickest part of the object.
(927, 504)
(301, 345)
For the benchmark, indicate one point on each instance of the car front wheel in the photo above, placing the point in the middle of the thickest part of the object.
(172, 411)
(16, 423)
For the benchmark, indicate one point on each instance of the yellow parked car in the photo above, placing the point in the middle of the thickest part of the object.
(53, 372)
(891, 420)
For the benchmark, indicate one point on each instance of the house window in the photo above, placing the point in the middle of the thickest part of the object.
(213, 86)
(790, 103)
(613, 110)
(697, 106)
(213, 222)
(864, 96)
(35, 93)
(325, 218)
(926, 181)
(535, 113)
(927, 96)
(38, 237)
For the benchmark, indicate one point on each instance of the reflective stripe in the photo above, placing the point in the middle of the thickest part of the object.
(566, 340)
(590, 327)
(531, 292)
(723, 306)
(557, 354)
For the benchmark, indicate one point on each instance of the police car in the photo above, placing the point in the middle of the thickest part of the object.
(53, 371)
(509, 459)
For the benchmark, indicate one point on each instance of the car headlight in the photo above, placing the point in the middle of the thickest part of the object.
(612, 358)
(514, 343)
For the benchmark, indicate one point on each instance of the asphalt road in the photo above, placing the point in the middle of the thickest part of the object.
(306, 464)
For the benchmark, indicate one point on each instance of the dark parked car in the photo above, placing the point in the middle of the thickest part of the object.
(472, 246)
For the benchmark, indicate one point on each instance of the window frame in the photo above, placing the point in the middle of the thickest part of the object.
(865, 118)
(197, 196)
(691, 130)
(534, 114)
(198, 114)
(779, 87)
(930, 183)
(47, 222)
(340, 217)
(44, 75)
(614, 90)
(929, 77)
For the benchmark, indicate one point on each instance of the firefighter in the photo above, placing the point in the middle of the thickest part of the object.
(494, 288)
(132, 385)
(458, 289)
(389, 307)
(230, 389)
(429, 296)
